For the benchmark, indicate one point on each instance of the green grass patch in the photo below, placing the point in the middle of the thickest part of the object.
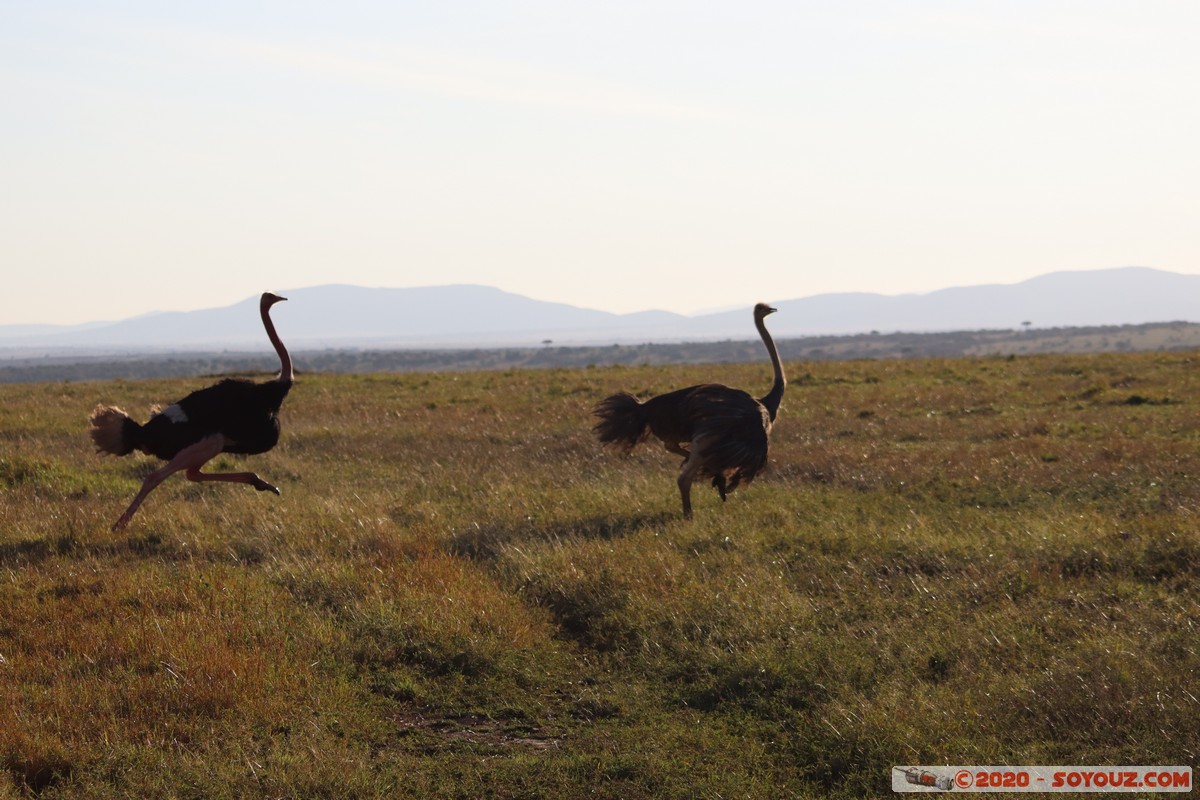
(458, 594)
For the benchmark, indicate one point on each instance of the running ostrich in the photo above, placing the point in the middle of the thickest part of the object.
(720, 432)
(233, 416)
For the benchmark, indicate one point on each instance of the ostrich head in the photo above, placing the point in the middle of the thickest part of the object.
(270, 298)
(762, 309)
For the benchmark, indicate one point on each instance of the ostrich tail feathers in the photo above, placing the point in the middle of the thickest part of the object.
(622, 421)
(113, 431)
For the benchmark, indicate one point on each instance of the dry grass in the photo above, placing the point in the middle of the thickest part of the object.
(459, 594)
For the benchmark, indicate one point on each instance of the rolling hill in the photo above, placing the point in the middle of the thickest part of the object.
(481, 316)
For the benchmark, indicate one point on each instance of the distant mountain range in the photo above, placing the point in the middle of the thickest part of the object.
(339, 316)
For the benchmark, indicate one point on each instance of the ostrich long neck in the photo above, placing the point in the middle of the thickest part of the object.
(775, 396)
(285, 360)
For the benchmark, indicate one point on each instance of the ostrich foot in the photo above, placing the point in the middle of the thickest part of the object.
(718, 483)
(263, 486)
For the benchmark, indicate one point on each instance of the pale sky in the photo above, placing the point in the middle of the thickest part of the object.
(616, 155)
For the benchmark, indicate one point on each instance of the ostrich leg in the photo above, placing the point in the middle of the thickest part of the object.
(191, 457)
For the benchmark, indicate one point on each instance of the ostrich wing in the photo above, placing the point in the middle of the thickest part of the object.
(729, 427)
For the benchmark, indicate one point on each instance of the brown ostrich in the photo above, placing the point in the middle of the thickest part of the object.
(722, 433)
(233, 416)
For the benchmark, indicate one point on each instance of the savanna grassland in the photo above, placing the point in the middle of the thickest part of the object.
(950, 561)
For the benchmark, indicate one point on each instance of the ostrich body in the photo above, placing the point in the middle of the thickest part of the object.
(233, 416)
(721, 433)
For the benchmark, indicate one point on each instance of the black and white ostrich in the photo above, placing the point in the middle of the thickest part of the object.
(233, 416)
(722, 433)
